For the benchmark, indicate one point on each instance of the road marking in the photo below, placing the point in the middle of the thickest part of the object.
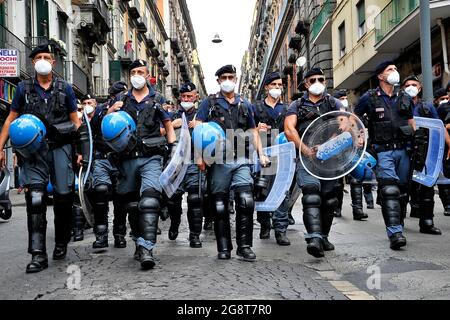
(345, 287)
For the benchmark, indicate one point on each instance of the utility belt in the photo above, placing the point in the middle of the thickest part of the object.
(389, 146)
(147, 148)
(61, 134)
(100, 156)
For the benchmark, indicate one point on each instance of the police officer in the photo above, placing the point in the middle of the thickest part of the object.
(190, 183)
(441, 99)
(422, 197)
(356, 186)
(269, 116)
(140, 164)
(53, 101)
(319, 196)
(391, 127)
(231, 111)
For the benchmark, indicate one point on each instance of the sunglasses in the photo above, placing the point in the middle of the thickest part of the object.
(227, 77)
(313, 80)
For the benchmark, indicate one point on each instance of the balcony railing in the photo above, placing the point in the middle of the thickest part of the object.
(392, 15)
(322, 17)
(126, 56)
(134, 10)
(100, 87)
(9, 41)
(80, 78)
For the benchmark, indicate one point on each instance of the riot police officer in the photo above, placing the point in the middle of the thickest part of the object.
(140, 150)
(356, 186)
(441, 103)
(319, 196)
(52, 102)
(391, 127)
(231, 111)
(269, 117)
(190, 183)
(422, 197)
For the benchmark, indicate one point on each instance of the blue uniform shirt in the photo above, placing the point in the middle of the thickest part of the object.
(427, 106)
(363, 104)
(203, 111)
(139, 106)
(189, 114)
(293, 108)
(274, 112)
(19, 96)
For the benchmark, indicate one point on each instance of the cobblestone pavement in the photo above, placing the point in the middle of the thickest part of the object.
(361, 267)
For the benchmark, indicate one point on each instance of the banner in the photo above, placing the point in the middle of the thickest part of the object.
(9, 63)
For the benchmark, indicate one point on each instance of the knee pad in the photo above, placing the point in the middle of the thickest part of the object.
(427, 193)
(331, 203)
(221, 205)
(390, 191)
(35, 199)
(310, 189)
(311, 200)
(244, 198)
(193, 198)
(150, 201)
(102, 193)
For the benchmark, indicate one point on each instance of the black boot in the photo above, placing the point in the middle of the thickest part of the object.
(329, 202)
(101, 237)
(327, 245)
(367, 187)
(62, 208)
(404, 199)
(263, 218)
(340, 197)
(119, 233)
(37, 227)
(78, 223)
(282, 239)
(312, 220)
(244, 222)
(338, 213)
(133, 214)
(356, 193)
(426, 215)
(149, 208)
(207, 212)
(146, 258)
(444, 194)
(195, 218)
(222, 228)
(390, 208)
(175, 211)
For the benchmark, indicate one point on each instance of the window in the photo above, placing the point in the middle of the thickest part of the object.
(361, 10)
(62, 25)
(342, 40)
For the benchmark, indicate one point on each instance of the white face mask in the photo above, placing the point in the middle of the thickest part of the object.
(186, 105)
(443, 101)
(393, 78)
(89, 109)
(43, 67)
(345, 103)
(228, 86)
(412, 91)
(275, 93)
(316, 88)
(138, 82)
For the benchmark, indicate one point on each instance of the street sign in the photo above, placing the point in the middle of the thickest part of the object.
(9, 63)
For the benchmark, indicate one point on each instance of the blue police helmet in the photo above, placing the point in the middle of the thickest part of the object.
(27, 134)
(207, 133)
(118, 130)
(364, 167)
(281, 138)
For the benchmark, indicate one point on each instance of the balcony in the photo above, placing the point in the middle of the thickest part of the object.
(295, 42)
(321, 26)
(126, 56)
(160, 63)
(134, 9)
(180, 57)
(155, 52)
(165, 71)
(175, 45)
(142, 24)
(149, 40)
(95, 20)
(80, 79)
(101, 87)
(398, 24)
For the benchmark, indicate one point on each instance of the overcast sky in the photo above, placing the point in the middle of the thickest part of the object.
(232, 20)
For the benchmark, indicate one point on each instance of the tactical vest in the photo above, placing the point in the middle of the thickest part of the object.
(100, 146)
(423, 111)
(234, 118)
(148, 135)
(444, 112)
(264, 116)
(53, 111)
(307, 114)
(385, 124)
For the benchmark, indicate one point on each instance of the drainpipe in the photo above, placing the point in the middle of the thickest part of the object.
(444, 45)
